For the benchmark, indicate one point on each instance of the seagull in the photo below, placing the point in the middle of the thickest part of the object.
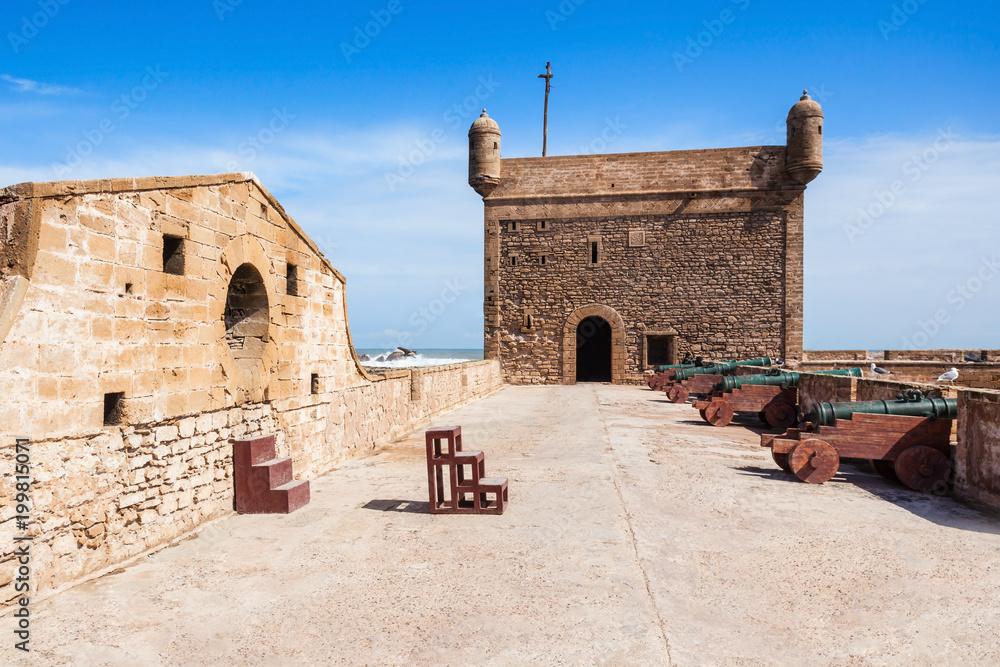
(950, 376)
(879, 371)
(779, 363)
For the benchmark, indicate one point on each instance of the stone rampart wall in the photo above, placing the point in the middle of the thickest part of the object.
(977, 457)
(104, 498)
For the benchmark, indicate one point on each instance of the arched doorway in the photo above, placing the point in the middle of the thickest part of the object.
(593, 350)
(571, 328)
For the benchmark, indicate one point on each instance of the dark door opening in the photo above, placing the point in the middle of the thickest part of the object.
(593, 350)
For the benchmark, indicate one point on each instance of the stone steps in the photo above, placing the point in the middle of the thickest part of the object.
(264, 483)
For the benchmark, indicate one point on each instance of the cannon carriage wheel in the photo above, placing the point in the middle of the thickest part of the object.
(780, 415)
(719, 413)
(814, 461)
(923, 469)
(678, 394)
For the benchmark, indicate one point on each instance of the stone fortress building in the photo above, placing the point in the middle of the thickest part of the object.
(599, 267)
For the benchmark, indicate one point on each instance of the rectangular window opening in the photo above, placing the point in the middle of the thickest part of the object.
(513, 225)
(513, 261)
(659, 350)
(543, 225)
(173, 255)
(593, 252)
(291, 280)
(544, 260)
(314, 384)
(113, 408)
(128, 288)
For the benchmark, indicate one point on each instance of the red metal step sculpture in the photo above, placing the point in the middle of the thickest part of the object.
(468, 491)
(264, 484)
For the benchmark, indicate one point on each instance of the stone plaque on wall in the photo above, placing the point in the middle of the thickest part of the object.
(636, 238)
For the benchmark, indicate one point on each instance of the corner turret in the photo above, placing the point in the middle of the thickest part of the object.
(484, 155)
(805, 140)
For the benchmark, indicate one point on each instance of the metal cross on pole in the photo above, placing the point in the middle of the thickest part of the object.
(548, 86)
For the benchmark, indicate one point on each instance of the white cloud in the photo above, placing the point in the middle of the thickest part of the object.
(894, 225)
(29, 86)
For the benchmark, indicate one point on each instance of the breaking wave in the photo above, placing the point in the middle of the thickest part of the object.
(423, 359)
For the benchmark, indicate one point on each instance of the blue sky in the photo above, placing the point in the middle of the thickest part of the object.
(363, 138)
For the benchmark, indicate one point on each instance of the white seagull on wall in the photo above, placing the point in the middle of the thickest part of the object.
(950, 376)
(880, 371)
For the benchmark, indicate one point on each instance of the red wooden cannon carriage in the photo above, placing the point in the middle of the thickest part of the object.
(774, 405)
(907, 440)
(697, 385)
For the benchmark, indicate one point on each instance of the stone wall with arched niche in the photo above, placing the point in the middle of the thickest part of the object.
(247, 375)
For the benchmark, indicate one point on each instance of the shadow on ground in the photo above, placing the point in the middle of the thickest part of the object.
(943, 510)
(407, 506)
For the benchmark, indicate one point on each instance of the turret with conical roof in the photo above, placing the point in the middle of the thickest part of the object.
(805, 140)
(484, 155)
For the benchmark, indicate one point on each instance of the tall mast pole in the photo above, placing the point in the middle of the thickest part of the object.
(548, 87)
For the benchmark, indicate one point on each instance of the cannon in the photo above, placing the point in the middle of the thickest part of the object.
(772, 396)
(673, 367)
(689, 381)
(908, 440)
(827, 414)
(665, 374)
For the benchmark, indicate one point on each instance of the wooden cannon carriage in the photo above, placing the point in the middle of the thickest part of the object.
(702, 380)
(665, 374)
(908, 440)
(773, 397)
(774, 405)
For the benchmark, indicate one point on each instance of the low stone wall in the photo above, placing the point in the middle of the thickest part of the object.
(977, 456)
(943, 356)
(102, 499)
(974, 375)
(834, 355)
(947, 356)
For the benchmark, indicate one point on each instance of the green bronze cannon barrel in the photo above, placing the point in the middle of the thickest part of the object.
(780, 379)
(827, 414)
(671, 367)
(718, 369)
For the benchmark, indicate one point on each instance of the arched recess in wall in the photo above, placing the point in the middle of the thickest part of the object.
(245, 307)
(609, 315)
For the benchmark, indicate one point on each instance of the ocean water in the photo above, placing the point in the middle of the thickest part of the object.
(423, 358)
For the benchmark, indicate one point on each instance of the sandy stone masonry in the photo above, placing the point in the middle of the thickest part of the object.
(696, 251)
(144, 323)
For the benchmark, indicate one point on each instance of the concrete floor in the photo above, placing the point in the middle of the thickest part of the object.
(636, 535)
